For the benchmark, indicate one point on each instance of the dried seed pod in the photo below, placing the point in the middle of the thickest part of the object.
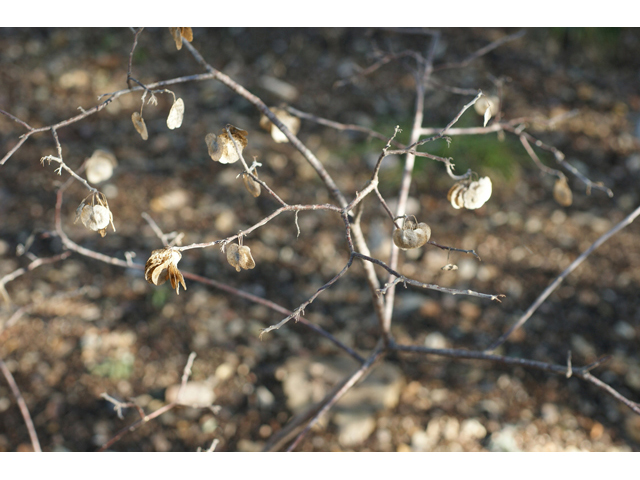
(289, 121)
(492, 103)
(477, 193)
(164, 259)
(562, 193)
(454, 196)
(240, 257)
(95, 215)
(181, 32)
(186, 33)
(138, 123)
(411, 235)
(221, 147)
(470, 195)
(174, 120)
(100, 166)
(251, 185)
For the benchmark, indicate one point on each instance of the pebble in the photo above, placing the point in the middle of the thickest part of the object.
(436, 340)
(504, 440)
(354, 428)
(472, 429)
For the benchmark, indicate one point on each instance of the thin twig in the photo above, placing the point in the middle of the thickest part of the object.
(9, 277)
(480, 52)
(580, 372)
(545, 294)
(300, 310)
(349, 382)
(24, 410)
(134, 426)
(137, 33)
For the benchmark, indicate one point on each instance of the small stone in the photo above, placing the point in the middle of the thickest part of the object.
(504, 440)
(472, 429)
(354, 428)
(265, 397)
(435, 340)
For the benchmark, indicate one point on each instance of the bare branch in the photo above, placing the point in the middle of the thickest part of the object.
(24, 410)
(545, 294)
(478, 53)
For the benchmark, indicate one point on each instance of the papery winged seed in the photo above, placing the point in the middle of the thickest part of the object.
(187, 33)
(487, 115)
(156, 271)
(174, 120)
(562, 193)
(238, 134)
(138, 123)
(454, 195)
(99, 167)
(477, 194)
(291, 122)
(95, 217)
(411, 235)
(177, 36)
(233, 257)
(426, 229)
(251, 185)
(485, 102)
(240, 257)
(246, 260)
(215, 150)
(221, 147)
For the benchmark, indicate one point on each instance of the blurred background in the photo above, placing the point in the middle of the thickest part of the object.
(86, 327)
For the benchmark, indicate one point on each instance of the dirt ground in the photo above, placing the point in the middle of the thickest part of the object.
(80, 327)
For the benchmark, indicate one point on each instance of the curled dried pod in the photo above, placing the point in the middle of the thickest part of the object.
(239, 256)
(100, 165)
(289, 121)
(251, 185)
(139, 125)
(455, 194)
(411, 235)
(161, 260)
(174, 120)
(477, 193)
(221, 147)
(562, 193)
(470, 194)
